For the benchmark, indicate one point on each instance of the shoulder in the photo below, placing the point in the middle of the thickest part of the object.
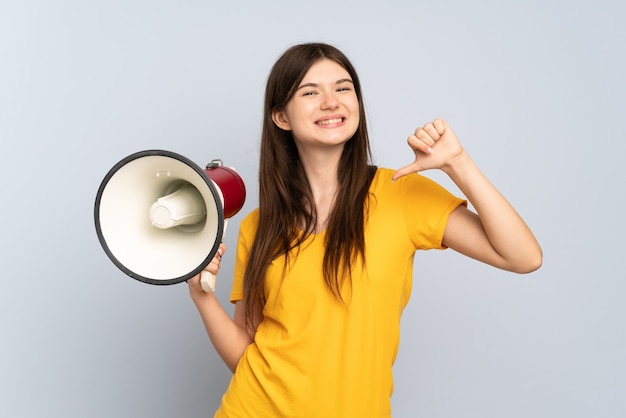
(252, 218)
(249, 224)
(413, 192)
(407, 184)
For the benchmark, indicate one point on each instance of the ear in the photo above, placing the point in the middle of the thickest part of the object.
(280, 119)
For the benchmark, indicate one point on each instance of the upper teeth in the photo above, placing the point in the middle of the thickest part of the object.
(329, 121)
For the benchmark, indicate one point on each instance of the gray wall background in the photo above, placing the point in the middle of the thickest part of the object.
(534, 89)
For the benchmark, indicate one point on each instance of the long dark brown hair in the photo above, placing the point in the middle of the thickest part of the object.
(287, 213)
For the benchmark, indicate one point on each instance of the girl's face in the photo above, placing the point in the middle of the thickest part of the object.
(324, 112)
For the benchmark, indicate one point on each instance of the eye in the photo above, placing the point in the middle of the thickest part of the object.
(309, 93)
(344, 87)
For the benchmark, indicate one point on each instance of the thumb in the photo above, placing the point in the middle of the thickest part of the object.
(407, 169)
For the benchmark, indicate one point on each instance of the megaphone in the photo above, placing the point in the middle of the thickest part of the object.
(161, 218)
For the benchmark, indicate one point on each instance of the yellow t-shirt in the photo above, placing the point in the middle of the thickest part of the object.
(314, 356)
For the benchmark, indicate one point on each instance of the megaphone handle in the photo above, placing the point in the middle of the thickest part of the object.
(208, 280)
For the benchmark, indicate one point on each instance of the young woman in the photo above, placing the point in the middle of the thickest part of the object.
(324, 265)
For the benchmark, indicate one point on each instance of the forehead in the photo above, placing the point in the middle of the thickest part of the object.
(325, 70)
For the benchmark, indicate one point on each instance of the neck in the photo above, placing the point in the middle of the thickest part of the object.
(320, 167)
(321, 171)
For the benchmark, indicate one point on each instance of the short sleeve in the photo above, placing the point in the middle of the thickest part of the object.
(247, 230)
(427, 206)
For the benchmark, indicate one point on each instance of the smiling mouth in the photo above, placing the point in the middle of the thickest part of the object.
(329, 121)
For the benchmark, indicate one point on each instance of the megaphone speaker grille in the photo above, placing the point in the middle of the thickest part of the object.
(153, 253)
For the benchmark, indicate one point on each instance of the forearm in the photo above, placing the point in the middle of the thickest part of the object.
(229, 339)
(514, 245)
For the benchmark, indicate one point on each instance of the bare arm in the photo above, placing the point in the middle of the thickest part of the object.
(495, 234)
(228, 336)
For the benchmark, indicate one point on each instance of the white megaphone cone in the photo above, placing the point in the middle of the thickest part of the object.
(160, 218)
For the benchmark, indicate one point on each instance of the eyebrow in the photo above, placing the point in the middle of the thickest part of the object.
(341, 81)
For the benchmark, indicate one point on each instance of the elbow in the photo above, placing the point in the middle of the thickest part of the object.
(232, 363)
(529, 268)
(232, 359)
(531, 263)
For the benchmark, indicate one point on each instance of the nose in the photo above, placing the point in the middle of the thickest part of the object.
(329, 101)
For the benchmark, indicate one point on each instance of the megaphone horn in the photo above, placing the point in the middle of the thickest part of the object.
(160, 218)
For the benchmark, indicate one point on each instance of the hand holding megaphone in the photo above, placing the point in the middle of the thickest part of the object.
(161, 219)
(208, 279)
